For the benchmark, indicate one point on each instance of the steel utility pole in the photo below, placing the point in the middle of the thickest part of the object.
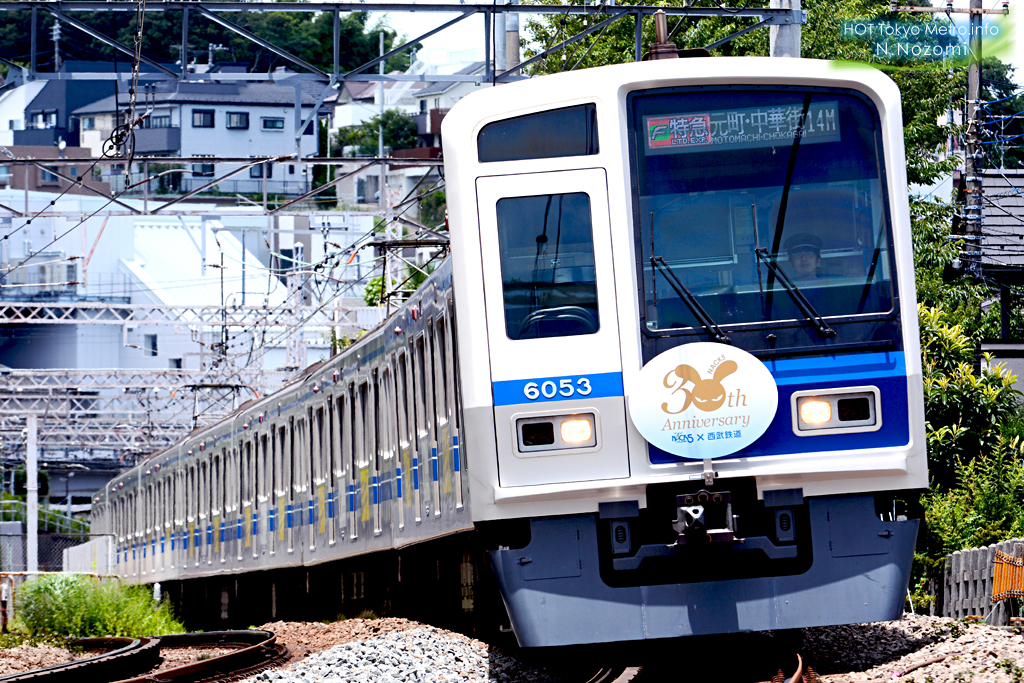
(32, 493)
(972, 154)
(784, 39)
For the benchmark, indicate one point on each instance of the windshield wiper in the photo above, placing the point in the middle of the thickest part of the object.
(690, 300)
(794, 292)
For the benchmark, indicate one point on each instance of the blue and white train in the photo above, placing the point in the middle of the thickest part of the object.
(669, 378)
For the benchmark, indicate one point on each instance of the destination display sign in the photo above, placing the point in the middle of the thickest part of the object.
(741, 128)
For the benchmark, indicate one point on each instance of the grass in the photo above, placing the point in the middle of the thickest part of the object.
(81, 607)
(368, 614)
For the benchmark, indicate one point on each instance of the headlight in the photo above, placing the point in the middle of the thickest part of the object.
(577, 431)
(836, 411)
(556, 432)
(815, 412)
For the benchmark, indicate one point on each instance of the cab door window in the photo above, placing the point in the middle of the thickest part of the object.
(549, 283)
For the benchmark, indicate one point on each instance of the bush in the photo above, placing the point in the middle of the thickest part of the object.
(966, 411)
(77, 606)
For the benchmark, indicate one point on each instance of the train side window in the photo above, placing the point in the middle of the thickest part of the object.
(352, 442)
(247, 474)
(428, 388)
(192, 492)
(236, 479)
(338, 437)
(374, 433)
(362, 437)
(564, 132)
(204, 484)
(279, 442)
(442, 365)
(401, 386)
(287, 433)
(453, 365)
(420, 388)
(264, 469)
(549, 282)
(319, 445)
(387, 403)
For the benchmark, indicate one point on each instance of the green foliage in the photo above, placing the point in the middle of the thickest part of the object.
(307, 35)
(21, 482)
(417, 276)
(930, 90)
(986, 506)
(78, 606)
(399, 133)
(433, 209)
(368, 614)
(965, 410)
(374, 291)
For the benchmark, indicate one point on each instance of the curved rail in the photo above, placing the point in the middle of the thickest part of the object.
(126, 657)
(258, 650)
(121, 657)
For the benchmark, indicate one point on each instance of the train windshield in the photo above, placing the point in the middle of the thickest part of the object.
(750, 199)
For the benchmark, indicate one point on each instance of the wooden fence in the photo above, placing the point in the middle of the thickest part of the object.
(967, 588)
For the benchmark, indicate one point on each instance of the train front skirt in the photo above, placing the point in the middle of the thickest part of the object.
(556, 596)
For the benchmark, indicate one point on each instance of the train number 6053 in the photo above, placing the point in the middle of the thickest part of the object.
(564, 388)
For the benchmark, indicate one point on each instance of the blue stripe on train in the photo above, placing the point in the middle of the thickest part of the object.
(433, 461)
(271, 516)
(288, 514)
(311, 512)
(415, 474)
(398, 480)
(330, 505)
(885, 370)
(455, 452)
(596, 385)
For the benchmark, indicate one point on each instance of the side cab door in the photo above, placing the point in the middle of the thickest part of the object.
(552, 327)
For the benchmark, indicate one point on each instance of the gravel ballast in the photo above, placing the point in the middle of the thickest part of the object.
(415, 654)
(915, 649)
(918, 648)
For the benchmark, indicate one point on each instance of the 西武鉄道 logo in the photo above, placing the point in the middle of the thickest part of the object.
(703, 400)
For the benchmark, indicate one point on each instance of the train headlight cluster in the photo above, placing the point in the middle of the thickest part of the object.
(577, 431)
(815, 412)
(556, 432)
(836, 411)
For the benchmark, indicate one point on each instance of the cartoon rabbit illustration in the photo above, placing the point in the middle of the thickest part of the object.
(707, 394)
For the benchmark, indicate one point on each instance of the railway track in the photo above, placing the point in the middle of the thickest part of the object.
(128, 660)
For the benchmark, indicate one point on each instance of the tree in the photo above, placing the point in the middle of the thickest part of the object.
(307, 35)
(433, 210)
(399, 133)
(931, 90)
(1003, 118)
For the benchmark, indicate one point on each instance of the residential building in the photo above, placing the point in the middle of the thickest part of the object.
(434, 101)
(39, 112)
(215, 119)
(47, 178)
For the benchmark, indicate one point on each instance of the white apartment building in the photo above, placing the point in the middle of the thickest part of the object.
(215, 119)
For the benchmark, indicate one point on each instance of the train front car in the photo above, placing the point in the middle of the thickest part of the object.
(691, 379)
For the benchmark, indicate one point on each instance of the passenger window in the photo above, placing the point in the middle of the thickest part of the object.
(549, 282)
(442, 365)
(362, 424)
(420, 388)
(566, 132)
(403, 402)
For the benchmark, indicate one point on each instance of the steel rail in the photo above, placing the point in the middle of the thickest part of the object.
(129, 660)
(121, 657)
(259, 650)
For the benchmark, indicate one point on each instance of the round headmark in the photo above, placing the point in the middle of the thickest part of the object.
(704, 400)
